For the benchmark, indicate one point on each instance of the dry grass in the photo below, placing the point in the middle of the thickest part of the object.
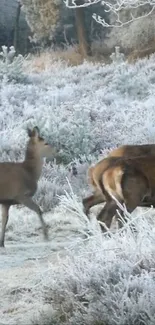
(142, 53)
(70, 56)
(44, 60)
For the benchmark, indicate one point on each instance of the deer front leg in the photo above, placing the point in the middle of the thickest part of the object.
(5, 216)
(29, 203)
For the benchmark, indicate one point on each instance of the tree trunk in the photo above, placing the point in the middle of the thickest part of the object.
(16, 28)
(84, 46)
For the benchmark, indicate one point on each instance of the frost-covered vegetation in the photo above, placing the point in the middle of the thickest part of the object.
(84, 112)
(103, 281)
(11, 66)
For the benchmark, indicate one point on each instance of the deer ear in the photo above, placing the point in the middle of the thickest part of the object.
(35, 131)
(29, 132)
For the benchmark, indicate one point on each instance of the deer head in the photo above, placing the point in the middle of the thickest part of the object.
(42, 148)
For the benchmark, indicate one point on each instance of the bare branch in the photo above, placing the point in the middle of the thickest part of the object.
(73, 3)
(115, 7)
(119, 23)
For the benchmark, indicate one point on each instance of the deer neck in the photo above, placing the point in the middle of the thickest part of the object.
(33, 162)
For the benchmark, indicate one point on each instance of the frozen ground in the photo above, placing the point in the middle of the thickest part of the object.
(35, 275)
(26, 255)
(79, 276)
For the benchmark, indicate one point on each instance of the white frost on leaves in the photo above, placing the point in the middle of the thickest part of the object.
(84, 111)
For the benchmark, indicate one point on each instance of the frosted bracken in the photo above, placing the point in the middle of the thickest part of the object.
(80, 276)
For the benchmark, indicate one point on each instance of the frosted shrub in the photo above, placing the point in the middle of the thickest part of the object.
(11, 66)
(104, 279)
(101, 279)
(54, 183)
(117, 57)
(84, 112)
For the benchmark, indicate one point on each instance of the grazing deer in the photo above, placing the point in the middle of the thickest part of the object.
(95, 172)
(130, 181)
(18, 180)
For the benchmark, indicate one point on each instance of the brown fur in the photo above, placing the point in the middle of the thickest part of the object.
(126, 167)
(95, 172)
(136, 179)
(18, 181)
(112, 182)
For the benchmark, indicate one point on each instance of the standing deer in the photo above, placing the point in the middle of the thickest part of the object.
(18, 180)
(130, 181)
(95, 173)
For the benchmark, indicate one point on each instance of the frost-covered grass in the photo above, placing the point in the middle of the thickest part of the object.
(45, 59)
(104, 280)
(93, 279)
(84, 112)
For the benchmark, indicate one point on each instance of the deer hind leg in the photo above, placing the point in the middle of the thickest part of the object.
(5, 217)
(107, 213)
(92, 200)
(148, 201)
(29, 203)
(135, 187)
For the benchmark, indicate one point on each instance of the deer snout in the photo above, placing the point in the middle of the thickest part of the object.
(51, 152)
